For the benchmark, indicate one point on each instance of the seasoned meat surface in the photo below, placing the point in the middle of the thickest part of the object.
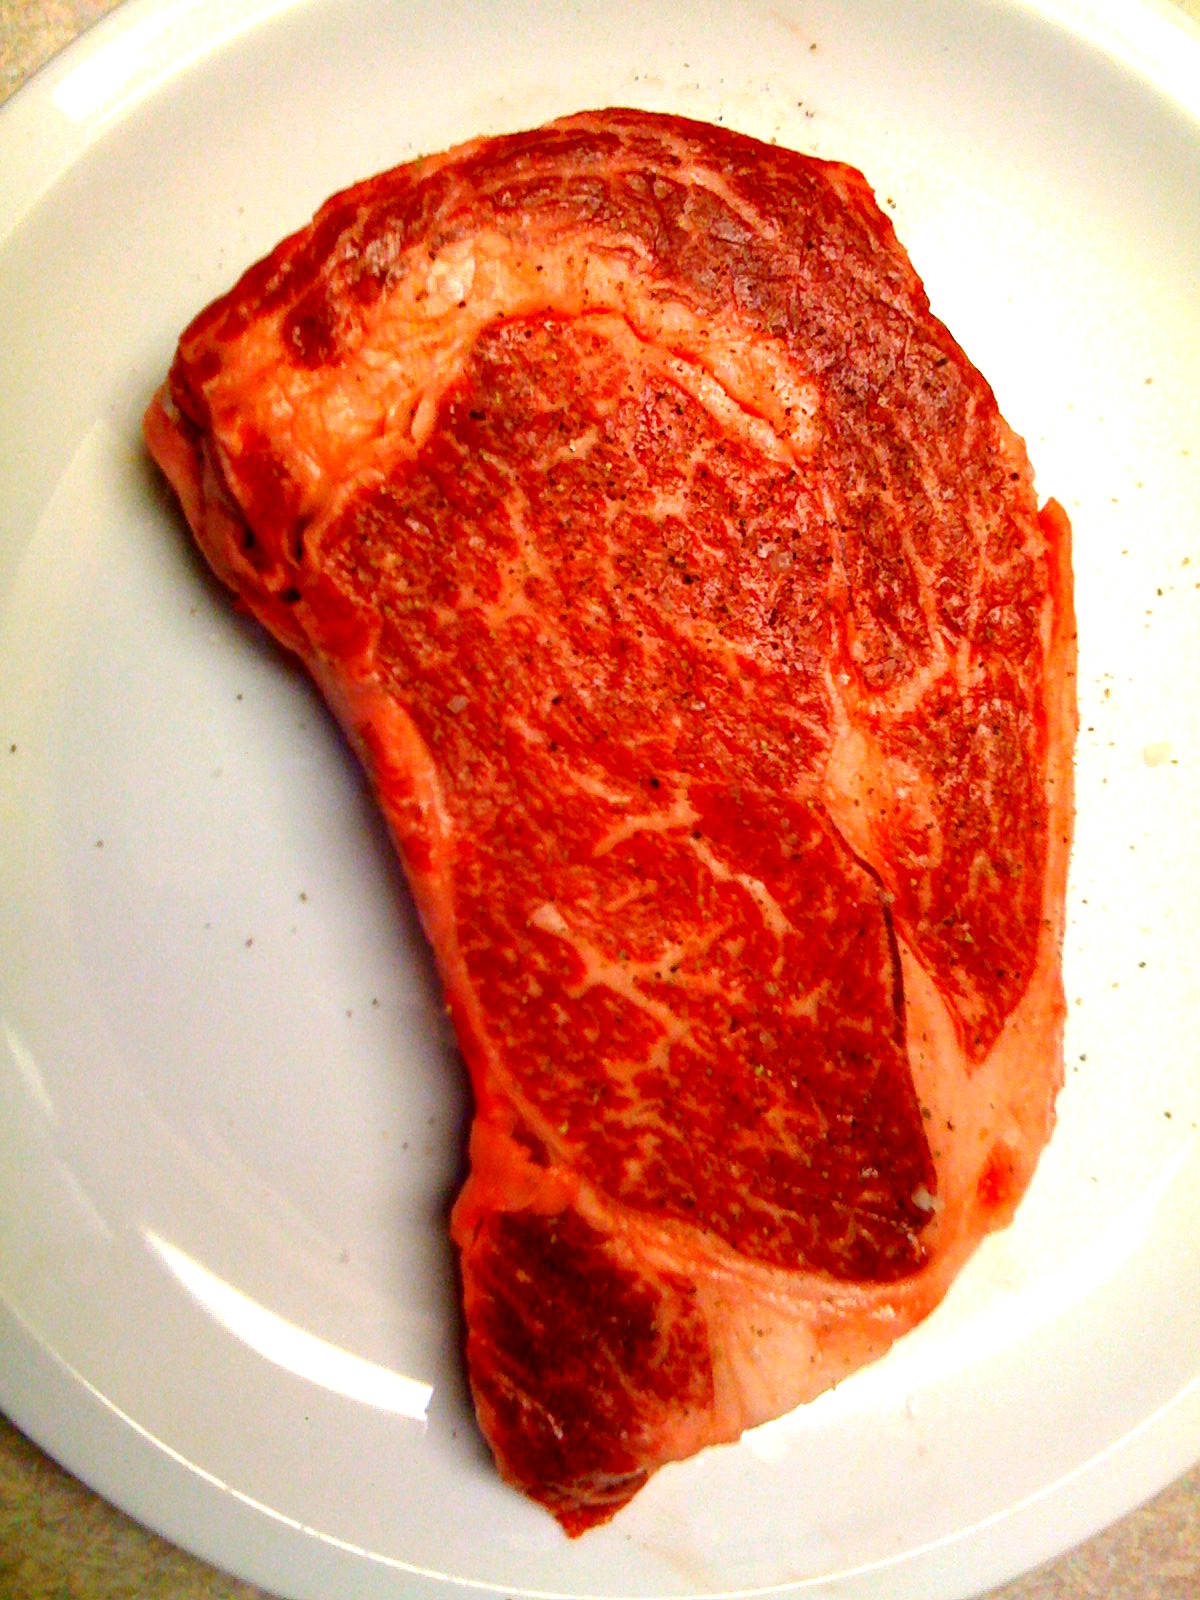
(687, 598)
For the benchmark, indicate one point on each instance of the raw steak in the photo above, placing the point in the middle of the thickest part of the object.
(683, 591)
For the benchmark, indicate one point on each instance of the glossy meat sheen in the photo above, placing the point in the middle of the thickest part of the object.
(688, 601)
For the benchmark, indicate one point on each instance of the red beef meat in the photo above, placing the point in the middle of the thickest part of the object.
(688, 601)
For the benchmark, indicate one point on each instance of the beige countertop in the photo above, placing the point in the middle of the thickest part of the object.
(59, 1541)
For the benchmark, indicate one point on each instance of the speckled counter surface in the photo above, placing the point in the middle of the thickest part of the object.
(58, 1541)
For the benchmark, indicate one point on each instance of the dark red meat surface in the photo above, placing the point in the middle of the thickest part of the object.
(687, 598)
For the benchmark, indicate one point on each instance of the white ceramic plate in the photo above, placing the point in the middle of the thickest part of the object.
(230, 1117)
